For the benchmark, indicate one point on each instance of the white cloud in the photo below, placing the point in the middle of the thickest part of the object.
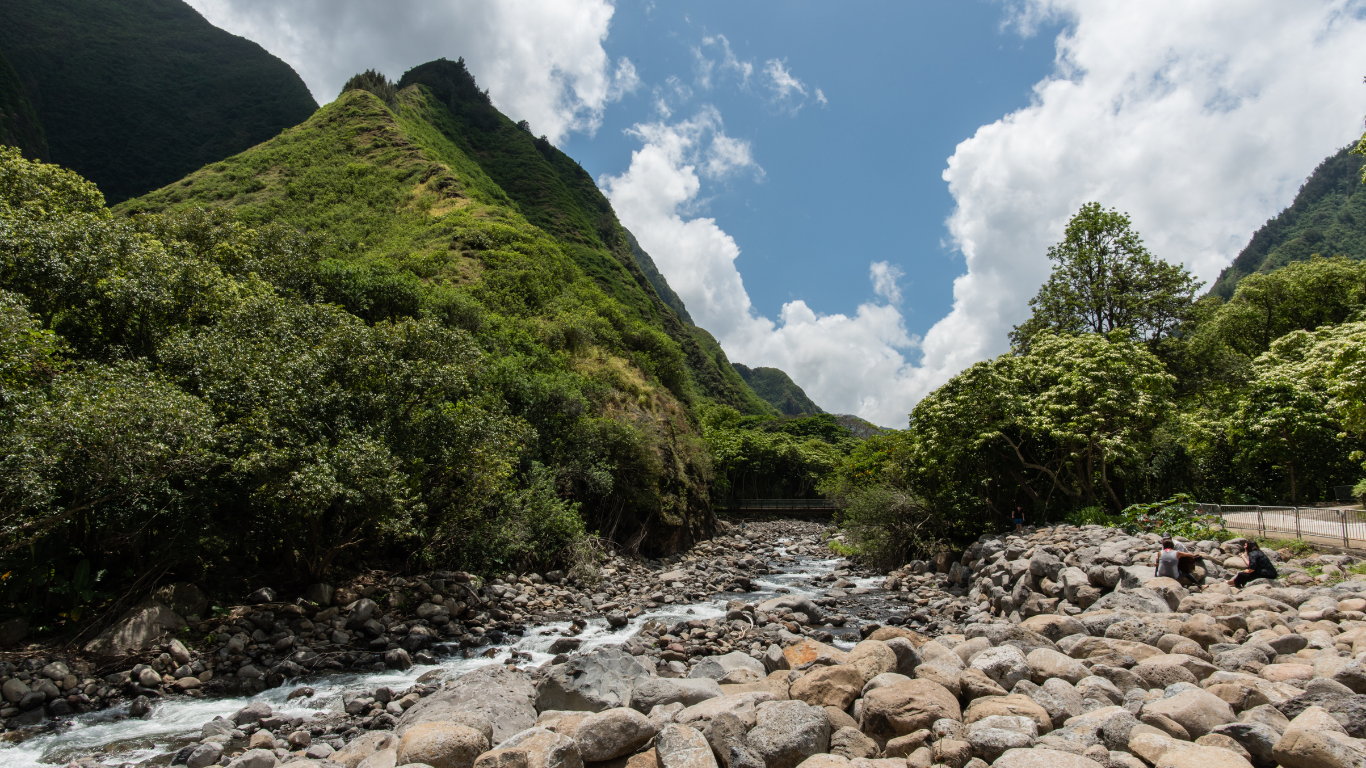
(838, 359)
(885, 276)
(1200, 119)
(727, 63)
(542, 60)
(781, 81)
(820, 97)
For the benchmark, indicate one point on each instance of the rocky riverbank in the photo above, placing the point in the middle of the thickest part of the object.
(1054, 648)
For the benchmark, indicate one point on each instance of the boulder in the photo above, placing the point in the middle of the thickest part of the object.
(612, 733)
(1054, 626)
(871, 658)
(810, 652)
(254, 758)
(1198, 756)
(794, 603)
(543, 749)
(363, 747)
(143, 626)
(441, 745)
(1014, 705)
(12, 631)
(1303, 748)
(1257, 738)
(993, 736)
(1045, 664)
(906, 707)
(679, 746)
(788, 732)
(851, 743)
(741, 705)
(717, 667)
(504, 699)
(830, 686)
(184, 599)
(660, 691)
(1195, 710)
(1133, 601)
(1005, 664)
(1043, 758)
(592, 682)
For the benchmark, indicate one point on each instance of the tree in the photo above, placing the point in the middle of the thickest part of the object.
(1302, 295)
(1330, 360)
(1105, 280)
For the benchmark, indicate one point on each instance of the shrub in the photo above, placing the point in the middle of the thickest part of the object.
(1177, 516)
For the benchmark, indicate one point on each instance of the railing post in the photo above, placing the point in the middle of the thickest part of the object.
(1343, 515)
(1298, 535)
(1261, 526)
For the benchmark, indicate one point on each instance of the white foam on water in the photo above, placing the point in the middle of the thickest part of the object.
(177, 721)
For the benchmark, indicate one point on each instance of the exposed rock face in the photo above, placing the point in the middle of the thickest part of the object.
(140, 628)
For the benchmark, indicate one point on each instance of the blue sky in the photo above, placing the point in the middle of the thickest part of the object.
(863, 194)
(855, 180)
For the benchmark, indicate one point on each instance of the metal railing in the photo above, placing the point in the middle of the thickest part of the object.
(1339, 527)
(747, 504)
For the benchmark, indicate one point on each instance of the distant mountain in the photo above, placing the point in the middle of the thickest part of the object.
(860, 428)
(1328, 217)
(778, 389)
(19, 124)
(135, 94)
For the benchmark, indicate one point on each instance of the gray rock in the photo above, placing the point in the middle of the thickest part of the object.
(204, 755)
(788, 732)
(143, 626)
(716, 667)
(794, 603)
(679, 746)
(659, 691)
(1133, 601)
(613, 733)
(591, 682)
(991, 736)
(726, 733)
(545, 749)
(775, 659)
(252, 713)
(1258, 739)
(505, 699)
(1348, 709)
(254, 758)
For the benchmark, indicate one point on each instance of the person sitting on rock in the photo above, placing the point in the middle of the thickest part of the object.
(1168, 563)
(1259, 566)
(1169, 542)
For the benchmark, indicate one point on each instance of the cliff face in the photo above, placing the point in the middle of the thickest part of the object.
(137, 93)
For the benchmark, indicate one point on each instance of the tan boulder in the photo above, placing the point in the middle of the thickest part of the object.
(1054, 626)
(810, 651)
(1302, 748)
(1016, 705)
(441, 745)
(1040, 757)
(613, 733)
(883, 634)
(679, 746)
(872, 658)
(1196, 710)
(906, 707)
(830, 686)
(1202, 757)
(1046, 663)
(1287, 673)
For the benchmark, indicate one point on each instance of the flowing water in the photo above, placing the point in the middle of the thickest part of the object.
(176, 722)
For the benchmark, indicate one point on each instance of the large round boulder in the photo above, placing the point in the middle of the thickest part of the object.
(907, 707)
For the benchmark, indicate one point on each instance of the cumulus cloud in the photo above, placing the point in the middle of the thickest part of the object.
(885, 276)
(1200, 119)
(542, 60)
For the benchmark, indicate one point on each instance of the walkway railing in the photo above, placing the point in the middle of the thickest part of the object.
(1336, 526)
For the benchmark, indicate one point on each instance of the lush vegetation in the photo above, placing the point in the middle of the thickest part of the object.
(778, 390)
(1124, 389)
(135, 94)
(348, 343)
(768, 457)
(1327, 217)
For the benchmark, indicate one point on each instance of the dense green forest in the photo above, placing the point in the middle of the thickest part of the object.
(137, 93)
(1125, 387)
(348, 343)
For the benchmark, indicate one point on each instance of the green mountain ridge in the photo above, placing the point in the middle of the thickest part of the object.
(446, 208)
(1327, 217)
(135, 94)
(778, 389)
(19, 124)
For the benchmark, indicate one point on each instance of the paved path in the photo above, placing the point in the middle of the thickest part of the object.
(1321, 526)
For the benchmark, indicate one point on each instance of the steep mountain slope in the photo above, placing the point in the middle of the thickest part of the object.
(778, 389)
(661, 285)
(415, 222)
(135, 94)
(1328, 217)
(19, 124)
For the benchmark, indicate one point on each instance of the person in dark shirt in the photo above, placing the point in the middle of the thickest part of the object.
(1259, 566)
